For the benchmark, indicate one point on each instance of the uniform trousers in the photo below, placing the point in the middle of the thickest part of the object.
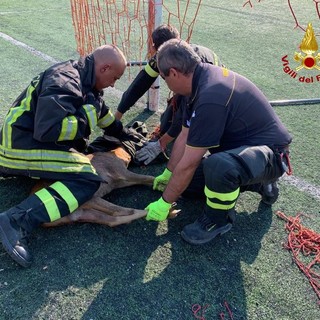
(222, 176)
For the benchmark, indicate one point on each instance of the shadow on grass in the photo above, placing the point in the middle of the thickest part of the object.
(139, 271)
(147, 116)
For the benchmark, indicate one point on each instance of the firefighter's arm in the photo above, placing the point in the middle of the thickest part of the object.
(108, 122)
(64, 115)
(183, 173)
(178, 182)
(178, 149)
(161, 181)
(139, 86)
(176, 125)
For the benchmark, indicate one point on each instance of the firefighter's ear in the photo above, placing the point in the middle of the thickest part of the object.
(105, 68)
(173, 72)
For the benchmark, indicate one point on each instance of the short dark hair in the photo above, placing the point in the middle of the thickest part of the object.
(177, 54)
(164, 33)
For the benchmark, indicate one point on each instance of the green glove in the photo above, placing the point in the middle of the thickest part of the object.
(158, 210)
(160, 182)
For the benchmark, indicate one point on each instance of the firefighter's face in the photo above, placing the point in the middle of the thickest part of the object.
(107, 75)
(177, 82)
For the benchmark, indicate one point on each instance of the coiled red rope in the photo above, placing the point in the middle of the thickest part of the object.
(304, 242)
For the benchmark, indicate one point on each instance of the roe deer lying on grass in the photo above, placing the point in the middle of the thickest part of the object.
(112, 166)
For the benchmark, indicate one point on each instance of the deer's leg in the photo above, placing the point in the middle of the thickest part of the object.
(98, 210)
(113, 169)
(104, 212)
(130, 178)
(108, 208)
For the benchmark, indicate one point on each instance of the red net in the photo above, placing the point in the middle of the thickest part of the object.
(128, 23)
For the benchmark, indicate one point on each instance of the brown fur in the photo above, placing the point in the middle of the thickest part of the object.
(112, 167)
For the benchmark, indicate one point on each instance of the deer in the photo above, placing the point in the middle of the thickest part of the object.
(112, 166)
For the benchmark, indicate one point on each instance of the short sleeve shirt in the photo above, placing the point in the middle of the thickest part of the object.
(226, 111)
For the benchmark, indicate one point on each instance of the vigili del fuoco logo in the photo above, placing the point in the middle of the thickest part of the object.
(306, 59)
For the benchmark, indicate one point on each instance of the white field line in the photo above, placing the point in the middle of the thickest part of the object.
(28, 48)
(112, 91)
(24, 11)
(300, 184)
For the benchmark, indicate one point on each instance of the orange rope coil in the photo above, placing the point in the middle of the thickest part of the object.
(305, 242)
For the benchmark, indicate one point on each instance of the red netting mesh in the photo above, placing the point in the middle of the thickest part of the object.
(128, 23)
(304, 245)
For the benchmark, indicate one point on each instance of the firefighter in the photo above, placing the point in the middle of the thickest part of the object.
(230, 118)
(44, 136)
(170, 122)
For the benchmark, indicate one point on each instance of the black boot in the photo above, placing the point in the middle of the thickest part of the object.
(207, 227)
(14, 240)
(269, 193)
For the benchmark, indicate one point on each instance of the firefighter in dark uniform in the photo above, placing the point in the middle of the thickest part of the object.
(169, 128)
(170, 121)
(230, 117)
(44, 136)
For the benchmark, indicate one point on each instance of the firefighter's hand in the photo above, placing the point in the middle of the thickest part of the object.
(118, 115)
(160, 182)
(158, 210)
(149, 152)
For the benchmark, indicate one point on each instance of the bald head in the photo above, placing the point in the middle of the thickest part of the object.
(109, 65)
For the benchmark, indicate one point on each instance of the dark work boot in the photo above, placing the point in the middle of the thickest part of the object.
(206, 228)
(14, 240)
(269, 193)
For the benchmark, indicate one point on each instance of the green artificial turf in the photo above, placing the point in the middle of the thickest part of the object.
(145, 270)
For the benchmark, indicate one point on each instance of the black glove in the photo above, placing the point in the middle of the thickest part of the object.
(132, 142)
(115, 129)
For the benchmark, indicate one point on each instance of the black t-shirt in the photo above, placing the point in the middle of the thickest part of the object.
(226, 111)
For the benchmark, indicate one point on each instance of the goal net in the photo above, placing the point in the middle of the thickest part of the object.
(128, 24)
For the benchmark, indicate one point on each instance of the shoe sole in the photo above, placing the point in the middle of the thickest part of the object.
(13, 253)
(218, 232)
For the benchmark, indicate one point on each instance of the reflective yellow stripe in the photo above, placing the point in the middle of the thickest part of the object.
(150, 71)
(230, 196)
(66, 195)
(47, 166)
(233, 86)
(41, 154)
(50, 204)
(220, 206)
(225, 72)
(69, 128)
(222, 197)
(45, 160)
(91, 113)
(216, 59)
(106, 120)
(15, 113)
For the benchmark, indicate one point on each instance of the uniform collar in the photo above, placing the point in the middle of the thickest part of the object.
(87, 75)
